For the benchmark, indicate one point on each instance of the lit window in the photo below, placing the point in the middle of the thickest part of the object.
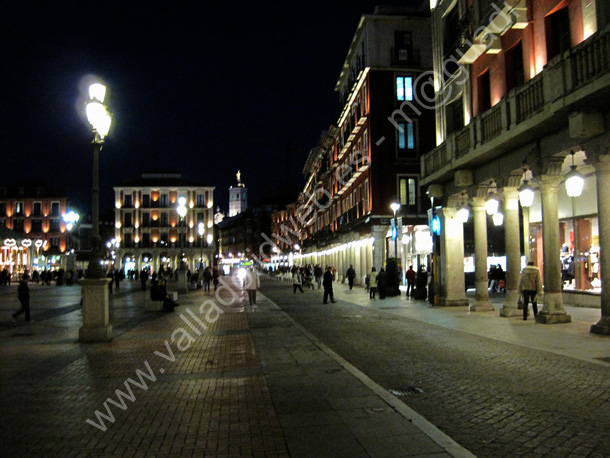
(406, 138)
(404, 88)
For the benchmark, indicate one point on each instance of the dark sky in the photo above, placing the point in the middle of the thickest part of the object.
(202, 89)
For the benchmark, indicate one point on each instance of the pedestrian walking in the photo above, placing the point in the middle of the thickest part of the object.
(529, 285)
(297, 281)
(252, 284)
(381, 283)
(329, 278)
(411, 275)
(117, 278)
(216, 277)
(351, 274)
(23, 294)
(207, 277)
(110, 275)
(373, 283)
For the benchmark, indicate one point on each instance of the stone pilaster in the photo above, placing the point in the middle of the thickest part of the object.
(451, 266)
(513, 250)
(479, 214)
(379, 246)
(553, 311)
(601, 162)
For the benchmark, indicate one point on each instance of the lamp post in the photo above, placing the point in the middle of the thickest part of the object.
(96, 318)
(395, 206)
(181, 274)
(99, 118)
(201, 230)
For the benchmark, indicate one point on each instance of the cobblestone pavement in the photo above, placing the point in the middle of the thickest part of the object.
(495, 398)
(209, 400)
(217, 378)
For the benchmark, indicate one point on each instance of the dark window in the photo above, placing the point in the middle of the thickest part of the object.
(146, 239)
(127, 220)
(18, 225)
(557, 28)
(54, 225)
(455, 116)
(484, 91)
(127, 201)
(54, 208)
(37, 210)
(146, 201)
(164, 200)
(18, 208)
(513, 60)
(403, 46)
(2, 208)
(36, 225)
(146, 219)
(164, 220)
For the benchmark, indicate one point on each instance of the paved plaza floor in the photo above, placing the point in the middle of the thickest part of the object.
(220, 378)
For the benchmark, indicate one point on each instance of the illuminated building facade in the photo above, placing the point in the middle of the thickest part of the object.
(369, 158)
(521, 100)
(34, 213)
(149, 231)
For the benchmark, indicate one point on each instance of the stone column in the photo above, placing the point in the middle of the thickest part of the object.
(601, 163)
(451, 266)
(512, 248)
(481, 302)
(379, 246)
(357, 265)
(553, 311)
(363, 264)
(96, 320)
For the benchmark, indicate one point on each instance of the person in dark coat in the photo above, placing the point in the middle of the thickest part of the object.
(23, 293)
(410, 281)
(351, 274)
(381, 283)
(143, 279)
(327, 283)
(117, 279)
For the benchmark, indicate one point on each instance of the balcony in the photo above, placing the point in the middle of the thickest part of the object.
(568, 83)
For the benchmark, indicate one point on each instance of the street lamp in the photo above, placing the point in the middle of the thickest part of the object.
(182, 214)
(99, 118)
(574, 180)
(201, 230)
(395, 206)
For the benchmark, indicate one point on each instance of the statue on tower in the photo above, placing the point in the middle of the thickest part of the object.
(238, 176)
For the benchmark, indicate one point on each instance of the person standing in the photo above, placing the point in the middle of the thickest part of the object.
(351, 274)
(317, 273)
(328, 285)
(529, 285)
(373, 283)
(252, 283)
(297, 280)
(23, 294)
(381, 283)
(216, 277)
(207, 277)
(117, 278)
(410, 281)
(143, 279)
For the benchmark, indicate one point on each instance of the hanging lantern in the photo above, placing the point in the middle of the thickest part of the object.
(526, 194)
(491, 204)
(463, 213)
(574, 180)
(498, 219)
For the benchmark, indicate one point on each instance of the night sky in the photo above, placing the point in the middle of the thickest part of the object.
(203, 90)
